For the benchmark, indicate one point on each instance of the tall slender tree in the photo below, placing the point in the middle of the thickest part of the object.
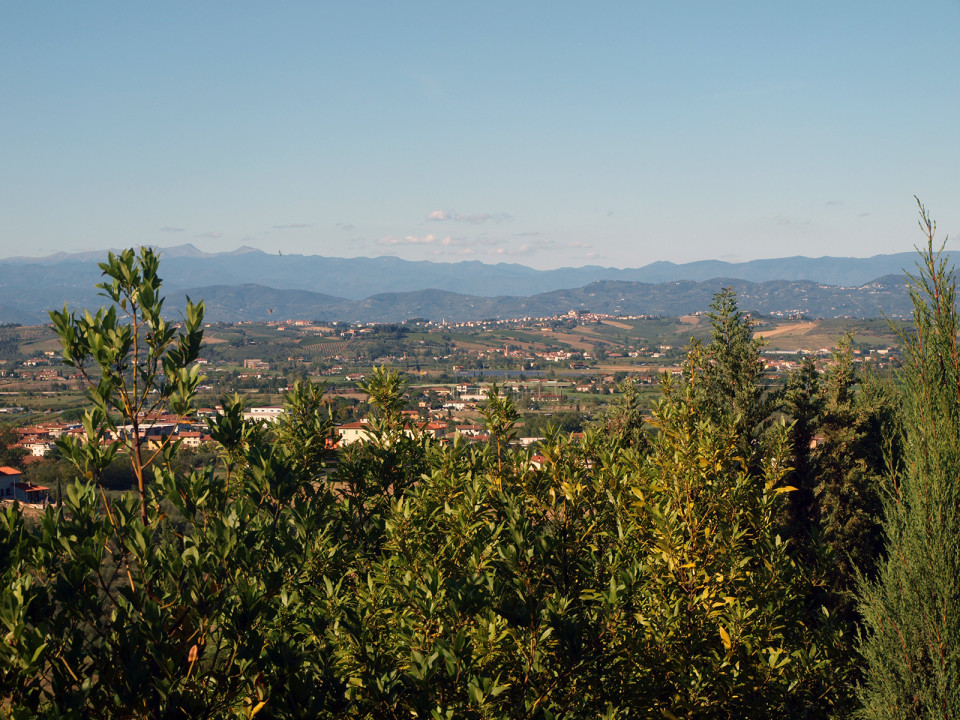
(803, 404)
(912, 610)
(851, 466)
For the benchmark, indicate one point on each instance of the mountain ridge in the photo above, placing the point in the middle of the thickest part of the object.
(187, 266)
(343, 286)
(883, 296)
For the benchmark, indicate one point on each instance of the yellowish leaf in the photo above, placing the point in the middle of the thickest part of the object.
(725, 638)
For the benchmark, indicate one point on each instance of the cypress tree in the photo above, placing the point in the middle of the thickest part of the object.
(912, 610)
(734, 372)
(850, 468)
(803, 404)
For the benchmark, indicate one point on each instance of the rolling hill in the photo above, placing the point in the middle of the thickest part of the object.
(251, 284)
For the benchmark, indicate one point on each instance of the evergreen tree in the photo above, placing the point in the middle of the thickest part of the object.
(731, 375)
(803, 403)
(734, 380)
(850, 468)
(912, 643)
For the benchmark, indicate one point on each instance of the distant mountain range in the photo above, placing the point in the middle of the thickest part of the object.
(248, 284)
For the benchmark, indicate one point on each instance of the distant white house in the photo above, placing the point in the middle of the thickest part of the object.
(193, 438)
(352, 432)
(149, 430)
(38, 448)
(361, 431)
(267, 414)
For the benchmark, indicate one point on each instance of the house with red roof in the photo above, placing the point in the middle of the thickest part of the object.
(12, 487)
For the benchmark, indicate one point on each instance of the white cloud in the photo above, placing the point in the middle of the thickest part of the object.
(413, 240)
(511, 250)
(478, 219)
(443, 241)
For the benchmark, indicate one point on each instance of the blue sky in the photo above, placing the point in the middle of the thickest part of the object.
(544, 133)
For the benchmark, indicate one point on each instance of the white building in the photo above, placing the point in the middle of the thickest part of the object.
(267, 414)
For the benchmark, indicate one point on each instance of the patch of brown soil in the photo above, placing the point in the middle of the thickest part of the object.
(802, 328)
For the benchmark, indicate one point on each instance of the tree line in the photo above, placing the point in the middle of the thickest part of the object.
(760, 552)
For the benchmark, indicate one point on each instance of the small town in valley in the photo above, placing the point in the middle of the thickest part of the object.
(562, 371)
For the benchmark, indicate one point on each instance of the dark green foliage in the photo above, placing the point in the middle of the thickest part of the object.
(10, 456)
(912, 643)
(118, 475)
(566, 421)
(833, 518)
(851, 467)
(803, 404)
(371, 475)
(54, 473)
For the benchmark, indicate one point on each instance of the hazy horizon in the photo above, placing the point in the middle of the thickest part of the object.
(102, 252)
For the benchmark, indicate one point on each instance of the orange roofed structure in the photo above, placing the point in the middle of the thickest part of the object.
(12, 487)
